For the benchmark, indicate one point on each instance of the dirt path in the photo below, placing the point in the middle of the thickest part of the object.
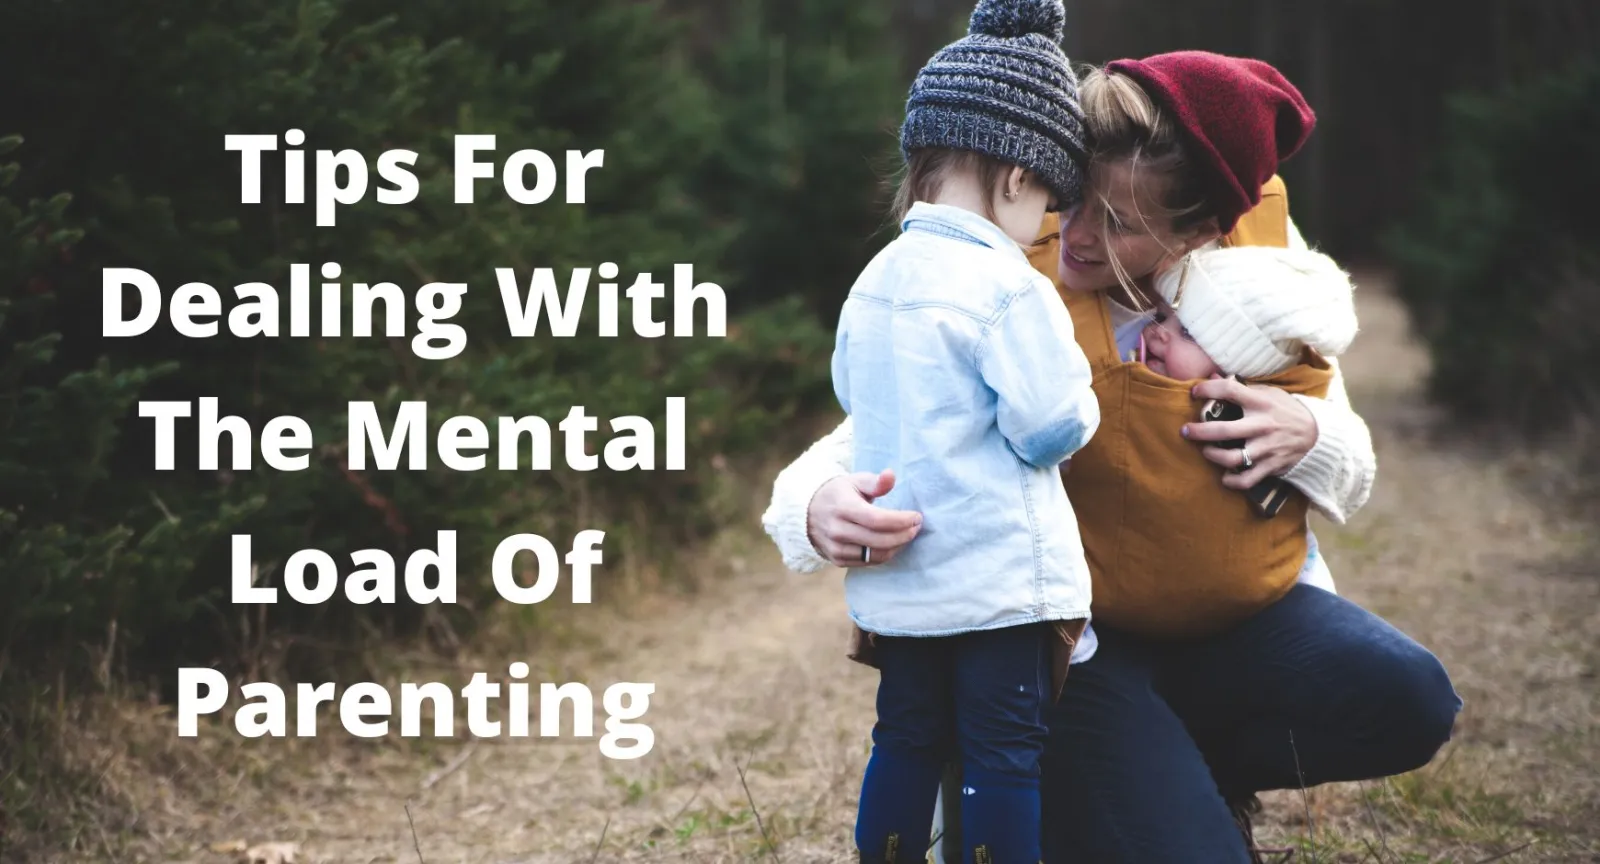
(752, 675)
(1453, 549)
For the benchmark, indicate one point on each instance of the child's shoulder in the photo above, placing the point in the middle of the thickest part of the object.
(944, 269)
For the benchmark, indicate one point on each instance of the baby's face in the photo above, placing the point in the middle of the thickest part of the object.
(1170, 351)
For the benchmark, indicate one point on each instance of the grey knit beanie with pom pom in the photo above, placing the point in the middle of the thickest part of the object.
(1005, 90)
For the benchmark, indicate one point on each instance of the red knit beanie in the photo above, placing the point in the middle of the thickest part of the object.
(1241, 117)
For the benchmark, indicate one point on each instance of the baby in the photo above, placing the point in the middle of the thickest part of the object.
(1249, 311)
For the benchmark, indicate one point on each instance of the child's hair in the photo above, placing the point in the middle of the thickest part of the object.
(1125, 124)
(927, 169)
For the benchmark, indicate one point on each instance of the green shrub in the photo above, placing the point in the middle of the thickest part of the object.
(1500, 266)
(102, 551)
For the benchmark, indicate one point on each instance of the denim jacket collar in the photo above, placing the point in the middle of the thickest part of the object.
(960, 224)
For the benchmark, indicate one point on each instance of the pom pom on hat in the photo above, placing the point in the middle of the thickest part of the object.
(1011, 19)
(1254, 309)
(1240, 117)
(1007, 91)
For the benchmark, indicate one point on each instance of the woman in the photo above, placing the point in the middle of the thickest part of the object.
(1157, 749)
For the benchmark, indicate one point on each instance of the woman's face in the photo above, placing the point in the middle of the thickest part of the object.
(1118, 217)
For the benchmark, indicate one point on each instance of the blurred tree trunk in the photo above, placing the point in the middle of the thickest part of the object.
(925, 26)
(1377, 72)
(1320, 94)
(1266, 32)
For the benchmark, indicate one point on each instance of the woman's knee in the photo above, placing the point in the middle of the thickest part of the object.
(1421, 704)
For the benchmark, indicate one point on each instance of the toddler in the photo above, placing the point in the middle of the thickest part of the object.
(956, 360)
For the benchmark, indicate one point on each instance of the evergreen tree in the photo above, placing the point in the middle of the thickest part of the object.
(132, 118)
(1498, 265)
(812, 99)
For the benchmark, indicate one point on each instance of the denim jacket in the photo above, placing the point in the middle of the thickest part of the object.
(957, 364)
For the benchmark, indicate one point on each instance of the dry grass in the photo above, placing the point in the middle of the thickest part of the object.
(1456, 549)
(761, 722)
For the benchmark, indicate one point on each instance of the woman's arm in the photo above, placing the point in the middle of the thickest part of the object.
(822, 514)
(1338, 472)
(792, 491)
(1320, 446)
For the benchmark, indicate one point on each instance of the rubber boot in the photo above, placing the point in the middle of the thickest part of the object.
(895, 818)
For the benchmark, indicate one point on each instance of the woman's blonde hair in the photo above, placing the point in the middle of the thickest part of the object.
(1126, 125)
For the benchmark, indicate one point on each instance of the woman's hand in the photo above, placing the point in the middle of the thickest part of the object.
(1277, 430)
(842, 520)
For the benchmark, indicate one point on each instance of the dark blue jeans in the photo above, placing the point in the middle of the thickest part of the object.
(1151, 739)
(981, 696)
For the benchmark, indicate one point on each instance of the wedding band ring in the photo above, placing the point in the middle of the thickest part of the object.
(1244, 455)
(866, 555)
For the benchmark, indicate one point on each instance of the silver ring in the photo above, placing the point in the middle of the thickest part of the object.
(1244, 454)
(866, 555)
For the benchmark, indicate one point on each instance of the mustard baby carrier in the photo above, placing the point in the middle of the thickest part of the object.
(1171, 551)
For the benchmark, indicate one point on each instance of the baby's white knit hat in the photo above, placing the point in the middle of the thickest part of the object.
(1254, 309)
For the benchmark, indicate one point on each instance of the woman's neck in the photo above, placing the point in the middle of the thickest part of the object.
(1138, 302)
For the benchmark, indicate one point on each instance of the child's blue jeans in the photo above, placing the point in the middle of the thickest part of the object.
(978, 695)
